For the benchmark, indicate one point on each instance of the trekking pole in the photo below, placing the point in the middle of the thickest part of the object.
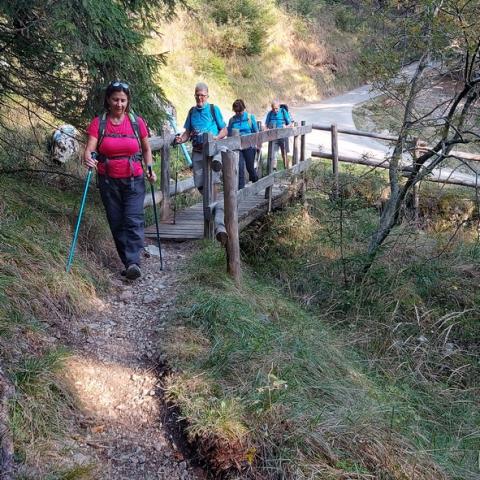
(156, 217)
(79, 218)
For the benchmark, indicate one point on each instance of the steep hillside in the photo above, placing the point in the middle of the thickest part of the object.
(266, 55)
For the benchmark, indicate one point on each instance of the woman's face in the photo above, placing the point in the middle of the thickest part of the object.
(118, 102)
(238, 110)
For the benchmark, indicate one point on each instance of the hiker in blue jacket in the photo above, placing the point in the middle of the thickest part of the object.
(203, 118)
(246, 123)
(278, 117)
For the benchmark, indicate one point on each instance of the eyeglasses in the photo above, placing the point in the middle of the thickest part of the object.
(116, 84)
(201, 95)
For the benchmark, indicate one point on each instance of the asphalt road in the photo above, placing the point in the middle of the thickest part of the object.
(339, 110)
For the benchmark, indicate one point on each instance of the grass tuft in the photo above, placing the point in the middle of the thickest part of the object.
(41, 400)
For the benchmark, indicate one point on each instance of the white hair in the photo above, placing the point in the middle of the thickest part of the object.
(201, 87)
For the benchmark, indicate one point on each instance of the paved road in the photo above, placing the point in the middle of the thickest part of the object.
(339, 110)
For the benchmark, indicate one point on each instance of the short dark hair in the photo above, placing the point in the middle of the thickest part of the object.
(239, 104)
(117, 86)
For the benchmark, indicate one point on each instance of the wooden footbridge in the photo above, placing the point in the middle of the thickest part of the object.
(206, 218)
(223, 217)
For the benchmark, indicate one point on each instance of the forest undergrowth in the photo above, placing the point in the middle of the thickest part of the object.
(312, 369)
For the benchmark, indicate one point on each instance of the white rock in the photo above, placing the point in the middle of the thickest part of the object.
(152, 250)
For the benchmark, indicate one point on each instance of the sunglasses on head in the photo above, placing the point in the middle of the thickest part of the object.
(117, 84)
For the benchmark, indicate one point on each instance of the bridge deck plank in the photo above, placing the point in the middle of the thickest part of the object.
(189, 222)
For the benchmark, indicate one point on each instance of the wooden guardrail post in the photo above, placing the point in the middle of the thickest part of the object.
(336, 187)
(268, 190)
(296, 150)
(302, 143)
(230, 188)
(165, 175)
(208, 189)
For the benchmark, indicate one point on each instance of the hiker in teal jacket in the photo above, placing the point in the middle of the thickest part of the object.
(278, 117)
(246, 123)
(202, 118)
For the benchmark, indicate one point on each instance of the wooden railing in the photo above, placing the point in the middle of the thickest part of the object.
(416, 146)
(221, 217)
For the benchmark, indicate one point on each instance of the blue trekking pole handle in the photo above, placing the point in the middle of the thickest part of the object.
(79, 218)
(149, 167)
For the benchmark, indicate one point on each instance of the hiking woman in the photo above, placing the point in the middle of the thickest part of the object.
(120, 139)
(247, 124)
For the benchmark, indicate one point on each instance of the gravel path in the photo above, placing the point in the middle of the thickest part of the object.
(114, 374)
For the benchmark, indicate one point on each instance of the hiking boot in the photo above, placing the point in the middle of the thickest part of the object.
(133, 272)
(216, 165)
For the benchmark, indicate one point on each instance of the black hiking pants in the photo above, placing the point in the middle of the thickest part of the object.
(123, 201)
(246, 159)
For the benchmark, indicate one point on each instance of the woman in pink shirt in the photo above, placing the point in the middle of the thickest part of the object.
(120, 140)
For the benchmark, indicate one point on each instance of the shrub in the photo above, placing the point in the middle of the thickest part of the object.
(241, 26)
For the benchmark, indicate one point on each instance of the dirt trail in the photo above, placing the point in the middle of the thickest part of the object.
(115, 377)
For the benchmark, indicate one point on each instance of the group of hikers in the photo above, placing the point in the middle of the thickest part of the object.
(118, 142)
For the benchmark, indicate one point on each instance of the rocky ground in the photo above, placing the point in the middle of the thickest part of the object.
(115, 377)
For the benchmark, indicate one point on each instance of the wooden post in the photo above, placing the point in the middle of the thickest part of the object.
(259, 156)
(302, 143)
(230, 188)
(286, 143)
(336, 187)
(208, 189)
(296, 150)
(165, 176)
(303, 191)
(268, 190)
(219, 218)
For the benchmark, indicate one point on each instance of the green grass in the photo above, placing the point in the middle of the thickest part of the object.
(262, 374)
(41, 403)
(413, 320)
(306, 369)
(37, 299)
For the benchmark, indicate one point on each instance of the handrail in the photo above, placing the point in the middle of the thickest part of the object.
(439, 176)
(157, 142)
(254, 139)
(360, 133)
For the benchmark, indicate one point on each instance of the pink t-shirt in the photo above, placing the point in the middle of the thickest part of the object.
(119, 147)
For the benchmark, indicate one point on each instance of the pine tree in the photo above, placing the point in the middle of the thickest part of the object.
(60, 54)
